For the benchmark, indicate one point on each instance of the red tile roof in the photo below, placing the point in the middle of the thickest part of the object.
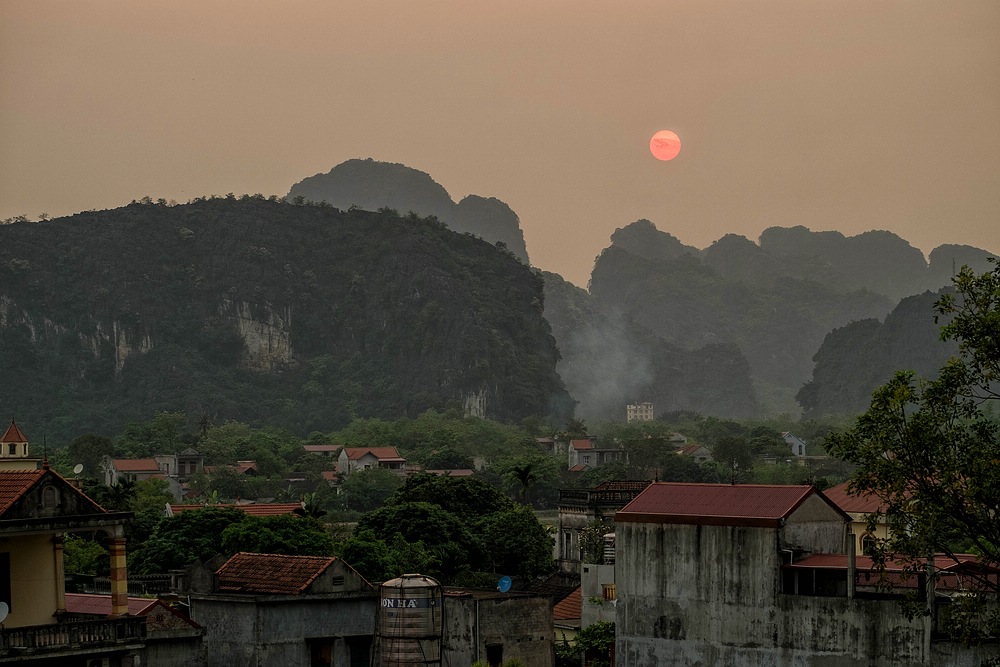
(964, 571)
(689, 449)
(243, 467)
(13, 434)
(579, 467)
(136, 465)
(850, 502)
(253, 509)
(321, 448)
(100, 605)
(581, 444)
(715, 504)
(14, 484)
(330, 475)
(381, 453)
(570, 607)
(271, 573)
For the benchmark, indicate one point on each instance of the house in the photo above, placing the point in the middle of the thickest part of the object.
(858, 507)
(171, 637)
(352, 459)
(639, 412)
(175, 469)
(129, 470)
(585, 452)
(268, 609)
(14, 450)
(579, 508)
(698, 453)
(37, 508)
(729, 574)
(329, 451)
(796, 445)
(566, 615)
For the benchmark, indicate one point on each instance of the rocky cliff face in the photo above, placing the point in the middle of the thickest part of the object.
(372, 185)
(267, 312)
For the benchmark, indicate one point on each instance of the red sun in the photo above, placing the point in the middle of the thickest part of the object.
(665, 145)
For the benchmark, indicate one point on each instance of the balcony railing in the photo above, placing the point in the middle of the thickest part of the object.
(74, 635)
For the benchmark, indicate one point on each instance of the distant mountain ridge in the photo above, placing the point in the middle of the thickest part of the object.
(371, 185)
(774, 303)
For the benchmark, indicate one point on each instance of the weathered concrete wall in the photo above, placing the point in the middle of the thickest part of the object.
(593, 578)
(181, 651)
(522, 625)
(710, 596)
(271, 630)
(816, 527)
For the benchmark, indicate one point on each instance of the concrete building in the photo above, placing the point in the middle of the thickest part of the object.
(585, 453)
(579, 508)
(37, 508)
(266, 609)
(858, 507)
(308, 611)
(352, 459)
(14, 451)
(715, 574)
(639, 412)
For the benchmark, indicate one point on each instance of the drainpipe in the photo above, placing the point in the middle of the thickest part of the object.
(851, 566)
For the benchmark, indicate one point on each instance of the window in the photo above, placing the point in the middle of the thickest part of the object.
(49, 497)
(609, 591)
(12, 449)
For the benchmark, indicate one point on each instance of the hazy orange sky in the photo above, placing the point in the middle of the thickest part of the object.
(834, 114)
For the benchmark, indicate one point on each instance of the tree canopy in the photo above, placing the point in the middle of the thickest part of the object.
(929, 449)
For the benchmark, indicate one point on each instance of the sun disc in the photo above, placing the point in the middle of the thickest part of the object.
(665, 145)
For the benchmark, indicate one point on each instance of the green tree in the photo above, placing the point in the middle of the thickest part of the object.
(442, 532)
(529, 476)
(734, 456)
(468, 498)
(930, 449)
(516, 543)
(283, 534)
(595, 641)
(89, 449)
(183, 539)
(84, 556)
(365, 490)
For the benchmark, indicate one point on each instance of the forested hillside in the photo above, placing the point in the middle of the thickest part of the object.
(266, 312)
(856, 359)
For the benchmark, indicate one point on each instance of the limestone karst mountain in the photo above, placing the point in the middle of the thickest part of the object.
(371, 185)
(265, 312)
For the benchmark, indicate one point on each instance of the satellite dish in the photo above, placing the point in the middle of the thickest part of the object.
(504, 585)
(78, 468)
(4, 610)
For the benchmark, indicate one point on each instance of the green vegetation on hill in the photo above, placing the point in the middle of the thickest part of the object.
(265, 312)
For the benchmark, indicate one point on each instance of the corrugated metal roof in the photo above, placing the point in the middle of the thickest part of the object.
(271, 573)
(725, 504)
(850, 502)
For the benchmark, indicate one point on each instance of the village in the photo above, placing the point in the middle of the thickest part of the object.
(687, 573)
